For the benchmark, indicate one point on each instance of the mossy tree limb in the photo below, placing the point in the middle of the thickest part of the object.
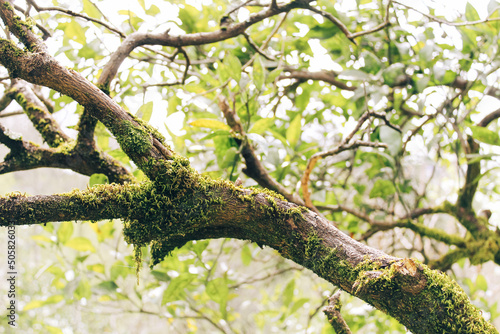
(38, 114)
(335, 318)
(181, 205)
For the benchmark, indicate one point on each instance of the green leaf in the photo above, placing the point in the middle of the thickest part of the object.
(98, 179)
(222, 72)
(73, 30)
(175, 289)
(297, 305)
(210, 123)
(246, 255)
(383, 189)
(471, 13)
(107, 286)
(40, 239)
(64, 232)
(198, 246)
(160, 275)
(449, 77)
(481, 283)
(145, 111)
(216, 133)
(91, 10)
(230, 156)
(262, 125)
(173, 102)
(33, 304)
(188, 16)
(80, 244)
(258, 73)
(218, 290)
(294, 131)
(225, 151)
(98, 268)
(133, 19)
(425, 54)
(288, 293)
(54, 299)
(52, 329)
(394, 74)
(372, 63)
(273, 75)
(119, 269)
(392, 138)
(422, 84)
(83, 290)
(485, 136)
(354, 75)
(233, 66)
(153, 10)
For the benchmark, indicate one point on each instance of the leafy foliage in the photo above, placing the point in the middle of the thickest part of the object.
(299, 86)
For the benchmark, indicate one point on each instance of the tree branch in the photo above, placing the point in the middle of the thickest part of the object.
(345, 145)
(38, 114)
(25, 155)
(138, 141)
(188, 206)
(75, 14)
(254, 168)
(326, 76)
(345, 30)
(335, 318)
(138, 39)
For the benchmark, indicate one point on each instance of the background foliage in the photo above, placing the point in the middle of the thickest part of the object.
(425, 85)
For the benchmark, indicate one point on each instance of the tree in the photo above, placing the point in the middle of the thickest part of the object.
(339, 100)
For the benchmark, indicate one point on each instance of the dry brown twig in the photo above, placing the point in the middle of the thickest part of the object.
(345, 145)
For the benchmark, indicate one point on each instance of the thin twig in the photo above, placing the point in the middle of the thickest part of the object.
(256, 47)
(345, 145)
(454, 24)
(75, 14)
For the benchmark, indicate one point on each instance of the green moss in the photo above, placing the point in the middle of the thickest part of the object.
(483, 250)
(437, 234)
(41, 120)
(8, 52)
(133, 138)
(151, 129)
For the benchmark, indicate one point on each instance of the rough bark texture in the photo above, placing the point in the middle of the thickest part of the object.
(190, 207)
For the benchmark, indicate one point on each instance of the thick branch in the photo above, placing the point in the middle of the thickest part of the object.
(138, 39)
(26, 155)
(173, 211)
(42, 69)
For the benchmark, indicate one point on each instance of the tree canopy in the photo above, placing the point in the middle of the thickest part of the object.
(356, 139)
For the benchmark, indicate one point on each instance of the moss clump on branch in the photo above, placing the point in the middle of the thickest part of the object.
(386, 284)
(9, 51)
(133, 138)
(43, 124)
